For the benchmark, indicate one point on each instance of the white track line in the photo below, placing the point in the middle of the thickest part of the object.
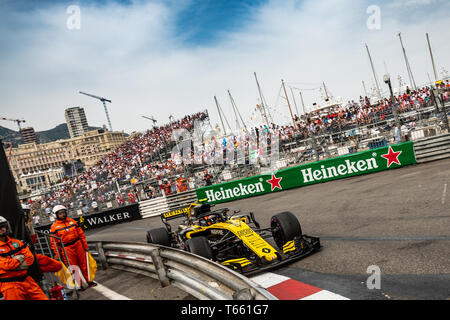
(269, 279)
(108, 293)
(325, 295)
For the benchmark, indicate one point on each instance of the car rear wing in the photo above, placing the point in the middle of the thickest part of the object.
(177, 213)
(180, 213)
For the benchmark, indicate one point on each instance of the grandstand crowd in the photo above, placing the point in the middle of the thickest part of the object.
(138, 158)
(142, 156)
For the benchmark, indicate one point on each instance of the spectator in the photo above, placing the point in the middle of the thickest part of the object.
(397, 134)
(181, 184)
(36, 219)
(405, 132)
(85, 209)
(94, 206)
(167, 188)
(120, 200)
(207, 178)
(173, 187)
(131, 197)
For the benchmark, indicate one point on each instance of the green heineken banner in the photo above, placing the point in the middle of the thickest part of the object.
(385, 158)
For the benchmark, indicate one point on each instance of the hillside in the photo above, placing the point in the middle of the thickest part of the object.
(58, 132)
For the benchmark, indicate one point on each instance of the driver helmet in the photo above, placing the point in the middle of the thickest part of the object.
(201, 209)
(211, 219)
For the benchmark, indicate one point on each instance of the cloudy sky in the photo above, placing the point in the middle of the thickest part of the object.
(171, 57)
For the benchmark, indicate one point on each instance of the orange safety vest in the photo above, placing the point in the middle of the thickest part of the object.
(8, 265)
(181, 185)
(168, 189)
(70, 233)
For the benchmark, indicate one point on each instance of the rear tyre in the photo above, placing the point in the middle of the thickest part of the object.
(285, 227)
(199, 246)
(158, 236)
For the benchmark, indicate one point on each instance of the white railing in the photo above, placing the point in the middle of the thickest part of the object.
(157, 206)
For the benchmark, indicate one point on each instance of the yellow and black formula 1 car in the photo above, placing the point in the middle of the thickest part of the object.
(230, 240)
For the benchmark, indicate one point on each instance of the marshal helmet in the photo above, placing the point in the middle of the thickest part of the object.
(58, 209)
(5, 223)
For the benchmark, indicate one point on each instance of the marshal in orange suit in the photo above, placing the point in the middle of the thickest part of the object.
(73, 239)
(15, 258)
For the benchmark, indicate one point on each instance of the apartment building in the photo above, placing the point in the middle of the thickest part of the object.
(76, 121)
(94, 145)
(38, 166)
(29, 135)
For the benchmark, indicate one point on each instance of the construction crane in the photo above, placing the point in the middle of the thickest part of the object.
(104, 105)
(150, 118)
(18, 121)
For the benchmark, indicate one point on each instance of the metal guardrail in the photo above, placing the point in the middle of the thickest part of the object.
(154, 207)
(197, 276)
(181, 199)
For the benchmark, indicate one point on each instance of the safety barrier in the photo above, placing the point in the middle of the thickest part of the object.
(181, 200)
(153, 207)
(432, 148)
(345, 166)
(197, 276)
(157, 206)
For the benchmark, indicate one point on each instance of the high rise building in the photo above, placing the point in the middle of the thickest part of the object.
(76, 121)
(28, 135)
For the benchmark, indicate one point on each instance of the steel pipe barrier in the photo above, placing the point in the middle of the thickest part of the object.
(153, 207)
(199, 277)
(181, 200)
(157, 206)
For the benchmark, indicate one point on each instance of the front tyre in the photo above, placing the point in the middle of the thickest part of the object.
(199, 246)
(285, 227)
(158, 236)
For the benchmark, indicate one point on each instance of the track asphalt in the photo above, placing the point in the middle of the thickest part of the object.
(396, 220)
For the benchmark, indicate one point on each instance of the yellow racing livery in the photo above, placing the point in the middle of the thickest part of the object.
(235, 241)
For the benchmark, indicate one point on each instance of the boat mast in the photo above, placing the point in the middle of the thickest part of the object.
(295, 103)
(262, 101)
(432, 59)
(326, 92)
(303, 103)
(374, 74)
(289, 105)
(220, 115)
(236, 110)
(408, 67)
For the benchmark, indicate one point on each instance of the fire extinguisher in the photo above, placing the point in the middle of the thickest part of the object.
(57, 292)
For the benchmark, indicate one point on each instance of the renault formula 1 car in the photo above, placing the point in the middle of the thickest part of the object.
(235, 241)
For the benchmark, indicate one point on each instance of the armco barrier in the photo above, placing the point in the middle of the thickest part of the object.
(181, 200)
(157, 206)
(153, 207)
(340, 167)
(200, 277)
(432, 148)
